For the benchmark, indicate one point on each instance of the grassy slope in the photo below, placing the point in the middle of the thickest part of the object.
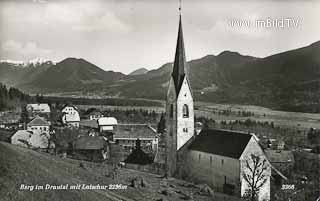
(23, 166)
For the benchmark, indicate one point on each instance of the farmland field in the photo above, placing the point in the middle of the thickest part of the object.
(281, 118)
(214, 111)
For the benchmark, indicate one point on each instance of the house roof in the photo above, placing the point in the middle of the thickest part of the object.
(103, 121)
(89, 123)
(69, 105)
(38, 121)
(96, 112)
(39, 107)
(276, 156)
(89, 143)
(221, 142)
(134, 131)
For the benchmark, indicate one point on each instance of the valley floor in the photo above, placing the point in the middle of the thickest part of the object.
(297, 120)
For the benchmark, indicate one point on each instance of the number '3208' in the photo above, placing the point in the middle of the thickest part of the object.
(287, 187)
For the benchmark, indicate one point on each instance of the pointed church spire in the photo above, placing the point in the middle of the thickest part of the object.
(179, 67)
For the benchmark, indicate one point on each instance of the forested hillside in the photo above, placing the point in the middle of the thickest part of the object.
(12, 97)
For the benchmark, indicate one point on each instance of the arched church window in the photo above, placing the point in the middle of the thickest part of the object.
(185, 111)
(171, 110)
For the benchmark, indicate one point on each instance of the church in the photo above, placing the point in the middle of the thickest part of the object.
(218, 158)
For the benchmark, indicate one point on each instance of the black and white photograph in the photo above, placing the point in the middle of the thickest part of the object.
(159, 100)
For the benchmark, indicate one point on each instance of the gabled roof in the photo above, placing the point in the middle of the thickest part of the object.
(89, 143)
(69, 105)
(96, 112)
(38, 121)
(107, 121)
(276, 156)
(221, 142)
(180, 64)
(134, 131)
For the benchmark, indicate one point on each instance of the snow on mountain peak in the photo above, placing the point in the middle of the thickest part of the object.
(39, 61)
(12, 62)
(34, 62)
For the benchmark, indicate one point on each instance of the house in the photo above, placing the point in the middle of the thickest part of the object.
(275, 144)
(90, 148)
(95, 115)
(70, 116)
(126, 135)
(282, 160)
(218, 158)
(40, 109)
(38, 125)
(107, 123)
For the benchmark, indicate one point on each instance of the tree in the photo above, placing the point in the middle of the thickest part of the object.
(161, 125)
(48, 139)
(63, 138)
(255, 176)
(314, 136)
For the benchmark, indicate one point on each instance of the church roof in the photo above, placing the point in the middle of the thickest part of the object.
(180, 64)
(221, 142)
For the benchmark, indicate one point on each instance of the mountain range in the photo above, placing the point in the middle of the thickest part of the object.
(287, 81)
(139, 71)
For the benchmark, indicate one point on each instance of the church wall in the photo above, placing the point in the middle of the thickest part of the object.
(211, 169)
(185, 125)
(254, 148)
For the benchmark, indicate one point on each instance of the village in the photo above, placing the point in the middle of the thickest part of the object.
(92, 136)
(222, 160)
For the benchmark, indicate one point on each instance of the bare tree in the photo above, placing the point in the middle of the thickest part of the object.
(255, 176)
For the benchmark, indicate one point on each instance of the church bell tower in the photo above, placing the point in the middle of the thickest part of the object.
(179, 106)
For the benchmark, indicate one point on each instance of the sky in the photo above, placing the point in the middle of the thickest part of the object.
(124, 35)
